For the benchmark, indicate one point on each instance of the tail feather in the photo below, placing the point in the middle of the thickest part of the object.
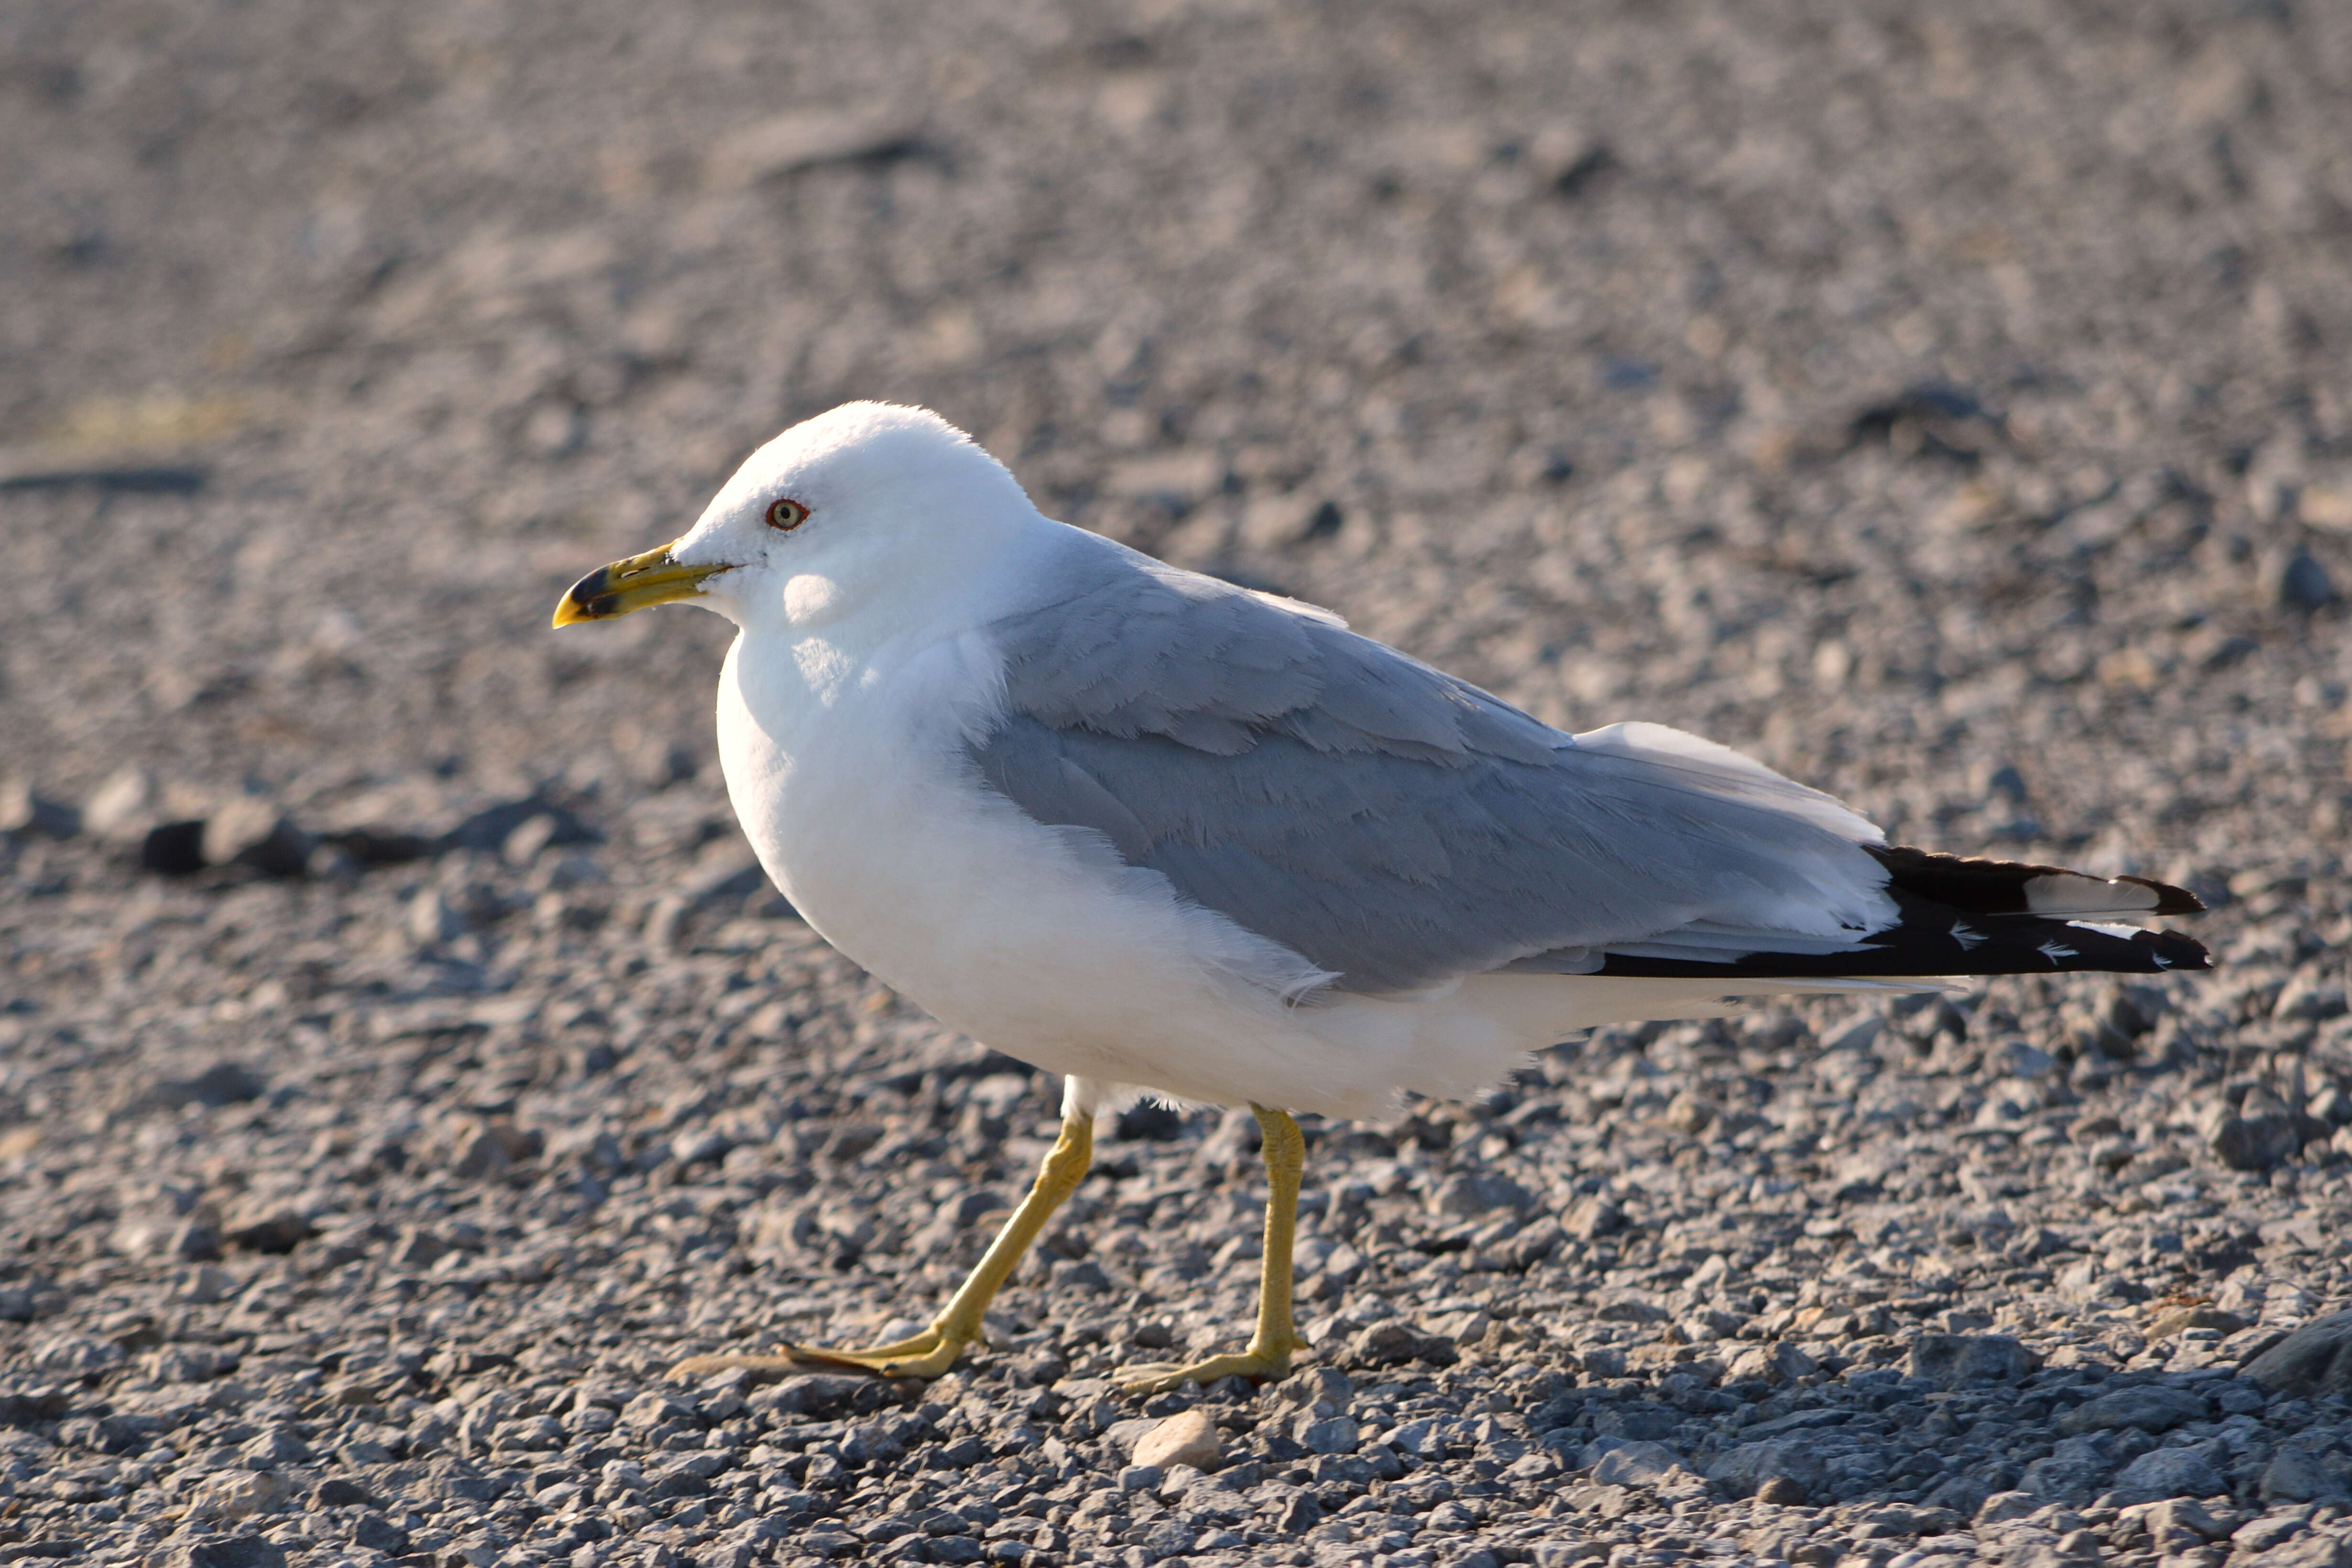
(2015, 888)
(1959, 916)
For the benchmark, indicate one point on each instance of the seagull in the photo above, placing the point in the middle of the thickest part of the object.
(1166, 836)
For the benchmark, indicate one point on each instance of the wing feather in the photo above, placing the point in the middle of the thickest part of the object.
(1399, 828)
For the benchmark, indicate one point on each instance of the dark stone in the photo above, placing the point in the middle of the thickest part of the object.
(2151, 1407)
(2303, 584)
(26, 812)
(1955, 1360)
(2314, 1360)
(231, 1551)
(126, 1433)
(489, 828)
(222, 1083)
(135, 478)
(378, 1534)
(22, 1407)
(2300, 1473)
(1300, 1514)
(253, 832)
(2171, 1473)
(2073, 1473)
(1395, 1342)
(172, 849)
(341, 1491)
(1475, 1194)
(379, 846)
(819, 1395)
(274, 1230)
(2255, 1142)
(1748, 1469)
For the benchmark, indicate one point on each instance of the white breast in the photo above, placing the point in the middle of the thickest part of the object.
(857, 797)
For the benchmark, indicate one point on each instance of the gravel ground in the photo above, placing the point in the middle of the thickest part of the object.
(401, 1061)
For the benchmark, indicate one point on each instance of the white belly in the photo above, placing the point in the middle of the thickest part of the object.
(1000, 926)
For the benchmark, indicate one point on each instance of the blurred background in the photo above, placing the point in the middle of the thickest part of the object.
(1909, 396)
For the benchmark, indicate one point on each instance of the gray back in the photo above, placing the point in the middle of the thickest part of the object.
(1386, 821)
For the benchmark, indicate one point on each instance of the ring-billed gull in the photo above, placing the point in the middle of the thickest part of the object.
(1163, 835)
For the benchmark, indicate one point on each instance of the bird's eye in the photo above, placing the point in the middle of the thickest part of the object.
(786, 514)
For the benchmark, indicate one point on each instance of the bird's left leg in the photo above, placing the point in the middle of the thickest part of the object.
(958, 1326)
(1267, 1358)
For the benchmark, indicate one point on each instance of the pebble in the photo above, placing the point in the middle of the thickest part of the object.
(255, 833)
(24, 810)
(1187, 1437)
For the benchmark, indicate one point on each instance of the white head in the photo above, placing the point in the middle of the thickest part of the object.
(869, 503)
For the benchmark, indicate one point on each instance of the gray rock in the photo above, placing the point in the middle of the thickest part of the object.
(2302, 1473)
(2254, 1143)
(2073, 1473)
(1318, 1390)
(2002, 1507)
(253, 832)
(1395, 1343)
(25, 810)
(267, 1227)
(123, 808)
(1630, 1309)
(1634, 1464)
(2152, 1407)
(228, 1551)
(1746, 1469)
(2303, 584)
(824, 1393)
(1592, 1217)
(222, 1083)
(1474, 1194)
(1328, 1435)
(2312, 1549)
(2185, 1472)
(2314, 1360)
(1957, 1361)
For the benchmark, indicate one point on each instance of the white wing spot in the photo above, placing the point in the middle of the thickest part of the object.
(2161, 962)
(2056, 951)
(1967, 935)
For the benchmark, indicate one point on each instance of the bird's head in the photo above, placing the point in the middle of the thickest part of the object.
(867, 501)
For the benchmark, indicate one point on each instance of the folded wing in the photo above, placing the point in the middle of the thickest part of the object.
(1401, 828)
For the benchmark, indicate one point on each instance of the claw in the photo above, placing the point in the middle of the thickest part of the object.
(1159, 1377)
(927, 1354)
(702, 1366)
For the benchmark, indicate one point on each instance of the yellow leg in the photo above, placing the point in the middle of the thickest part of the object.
(935, 1350)
(1271, 1347)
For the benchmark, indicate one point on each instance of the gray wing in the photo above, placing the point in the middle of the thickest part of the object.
(1394, 825)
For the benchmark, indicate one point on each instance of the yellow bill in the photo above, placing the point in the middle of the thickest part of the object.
(652, 578)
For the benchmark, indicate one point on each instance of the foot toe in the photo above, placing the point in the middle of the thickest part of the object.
(695, 1366)
(1160, 1377)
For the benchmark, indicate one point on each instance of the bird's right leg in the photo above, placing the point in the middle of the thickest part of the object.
(958, 1327)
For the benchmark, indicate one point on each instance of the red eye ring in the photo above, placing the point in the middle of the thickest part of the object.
(784, 514)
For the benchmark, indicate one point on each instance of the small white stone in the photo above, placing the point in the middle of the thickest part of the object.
(1187, 1437)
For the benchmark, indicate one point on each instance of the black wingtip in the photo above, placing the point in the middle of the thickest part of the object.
(2169, 950)
(2170, 899)
(2025, 888)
